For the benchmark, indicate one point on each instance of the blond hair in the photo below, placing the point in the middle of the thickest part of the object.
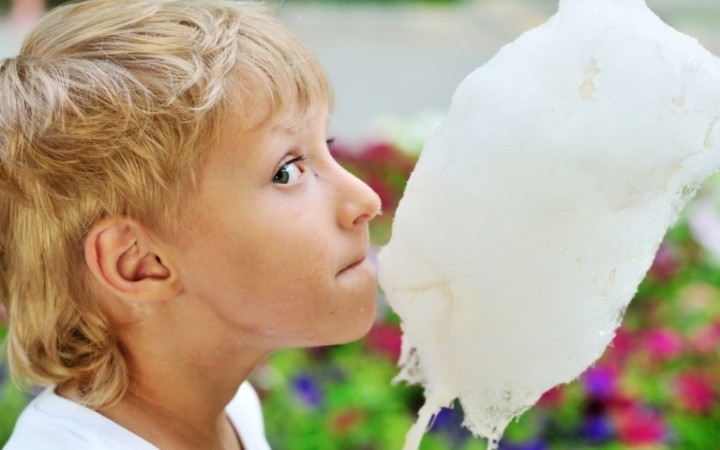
(110, 109)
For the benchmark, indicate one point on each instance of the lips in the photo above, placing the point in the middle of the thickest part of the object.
(353, 265)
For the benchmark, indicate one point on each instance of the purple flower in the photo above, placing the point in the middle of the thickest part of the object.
(600, 382)
(597, 429)
(533, 444)
(308, 390)
(449, 421)
(446, 417)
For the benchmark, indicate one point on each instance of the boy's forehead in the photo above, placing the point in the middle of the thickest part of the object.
(294, 118)
(251, 105)
(286, 94)
(290, 117)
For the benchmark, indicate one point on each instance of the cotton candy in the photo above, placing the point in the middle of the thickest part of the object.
(538, 203)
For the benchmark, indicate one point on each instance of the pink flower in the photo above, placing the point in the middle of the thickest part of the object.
(694, 392)
(638, 425)
(663, 343)
(552, 398)
(388, 199)
(707, 339)
(4, 314)
(386, 339)
(664, 266)
(386, 154)
(621, 346)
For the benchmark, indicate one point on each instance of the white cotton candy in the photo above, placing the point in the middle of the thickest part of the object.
(538, 204)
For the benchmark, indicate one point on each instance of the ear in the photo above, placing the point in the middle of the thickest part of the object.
(123, 257)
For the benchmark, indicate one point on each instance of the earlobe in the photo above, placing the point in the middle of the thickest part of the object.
(124, 259)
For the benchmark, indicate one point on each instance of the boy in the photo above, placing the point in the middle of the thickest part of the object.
(169, 215)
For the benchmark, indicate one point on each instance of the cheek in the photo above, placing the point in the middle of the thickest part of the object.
(299, 243)
(289, 266)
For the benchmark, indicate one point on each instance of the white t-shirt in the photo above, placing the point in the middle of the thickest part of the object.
(51, 421)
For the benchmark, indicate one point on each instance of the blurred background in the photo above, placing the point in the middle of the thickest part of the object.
(395, 65)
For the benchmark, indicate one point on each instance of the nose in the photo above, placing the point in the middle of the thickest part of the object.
(358, 203)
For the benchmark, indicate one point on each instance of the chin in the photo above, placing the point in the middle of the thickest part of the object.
(360, 324)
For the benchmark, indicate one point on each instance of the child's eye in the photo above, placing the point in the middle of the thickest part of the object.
(289, 173)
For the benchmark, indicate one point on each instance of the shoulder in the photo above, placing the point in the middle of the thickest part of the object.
(245, 413)
(50, 421)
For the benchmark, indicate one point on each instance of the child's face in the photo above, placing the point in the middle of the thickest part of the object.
(279, 239)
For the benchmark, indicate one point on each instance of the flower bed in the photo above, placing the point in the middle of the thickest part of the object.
(655, 387)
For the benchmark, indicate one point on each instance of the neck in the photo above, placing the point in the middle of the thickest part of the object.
(180, 383)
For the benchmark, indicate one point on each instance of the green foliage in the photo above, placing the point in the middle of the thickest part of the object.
(12, 399)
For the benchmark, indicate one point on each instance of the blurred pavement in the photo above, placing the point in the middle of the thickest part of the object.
(10, 37)
(406, 60)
